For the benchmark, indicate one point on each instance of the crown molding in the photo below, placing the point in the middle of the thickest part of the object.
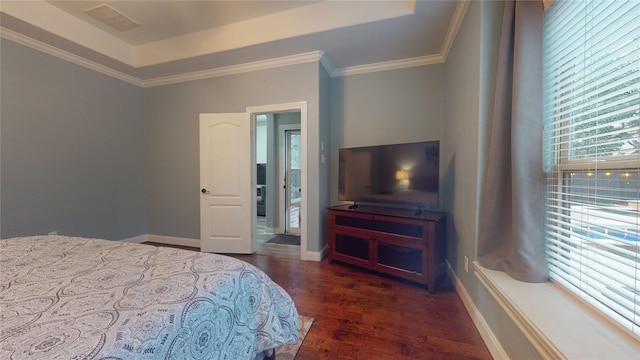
(326, 63)
(43, 15)
(198, 75)
(312, 56)
(67, 56)
(253, 66)
(454, 27)
(318, 17)
(450, 37)
(319, 56)
(389, 65)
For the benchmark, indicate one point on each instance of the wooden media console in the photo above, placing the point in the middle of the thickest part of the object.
(398, 242)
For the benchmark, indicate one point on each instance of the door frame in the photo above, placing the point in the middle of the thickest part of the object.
(300, 107)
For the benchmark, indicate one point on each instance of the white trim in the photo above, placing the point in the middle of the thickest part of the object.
(136, 239)
(300, 106)
(172, 240)
(537, 339)
(318, 255)
(56, 22)
(313, 18)
(67, 56)
(172, 79)
(567, 330)
(326, 63)
(454, 27)
(312, 56)
(493, 344)
(389, 65)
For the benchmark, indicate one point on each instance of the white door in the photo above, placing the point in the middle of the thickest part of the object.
(225, 183)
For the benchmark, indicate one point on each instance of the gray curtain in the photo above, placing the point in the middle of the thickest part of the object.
(511, 227)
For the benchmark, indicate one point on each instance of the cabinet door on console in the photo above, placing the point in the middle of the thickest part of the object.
(400, 258)
(356, 248)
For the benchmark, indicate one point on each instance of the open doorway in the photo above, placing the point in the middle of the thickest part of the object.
(279, 168)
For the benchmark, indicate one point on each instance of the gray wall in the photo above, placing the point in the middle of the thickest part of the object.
(72, 147)
(470, 72)
(172, 150)
(386, 107)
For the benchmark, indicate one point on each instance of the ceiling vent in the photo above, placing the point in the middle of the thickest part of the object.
(112, 17)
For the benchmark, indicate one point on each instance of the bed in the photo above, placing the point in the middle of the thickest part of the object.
(79, 298)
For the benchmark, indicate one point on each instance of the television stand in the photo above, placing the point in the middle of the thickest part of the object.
(397, 242)
(354, 206)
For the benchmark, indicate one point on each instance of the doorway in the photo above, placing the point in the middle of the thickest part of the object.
(282, 190)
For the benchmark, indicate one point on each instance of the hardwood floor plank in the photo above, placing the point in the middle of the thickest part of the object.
(364, 315)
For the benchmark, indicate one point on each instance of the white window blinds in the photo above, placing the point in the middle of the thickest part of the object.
(592, 153)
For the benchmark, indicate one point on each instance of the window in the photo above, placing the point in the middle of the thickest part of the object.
(592, 153)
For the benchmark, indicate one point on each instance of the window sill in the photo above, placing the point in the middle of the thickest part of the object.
(567, 330)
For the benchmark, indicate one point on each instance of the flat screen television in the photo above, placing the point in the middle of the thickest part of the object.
(398, 174)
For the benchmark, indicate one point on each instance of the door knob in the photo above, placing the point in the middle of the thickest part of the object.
(204, 191)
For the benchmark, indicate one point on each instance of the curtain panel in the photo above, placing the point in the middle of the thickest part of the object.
(511, 226)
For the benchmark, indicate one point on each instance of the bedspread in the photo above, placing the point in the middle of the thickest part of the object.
(78, 298)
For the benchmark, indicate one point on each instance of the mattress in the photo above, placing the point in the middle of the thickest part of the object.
(79, 298)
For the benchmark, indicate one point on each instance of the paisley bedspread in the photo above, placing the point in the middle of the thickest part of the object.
(78, 298)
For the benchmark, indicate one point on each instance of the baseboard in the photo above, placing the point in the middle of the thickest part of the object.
(172, 240)
(494, 346)
(137, 239)
(169, 240)
(318, 255)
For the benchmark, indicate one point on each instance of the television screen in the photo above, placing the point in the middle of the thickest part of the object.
(395, 174)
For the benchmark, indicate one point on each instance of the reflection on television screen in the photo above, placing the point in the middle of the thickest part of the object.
(405, 174)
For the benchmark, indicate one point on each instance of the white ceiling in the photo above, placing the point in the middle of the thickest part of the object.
(179, 40)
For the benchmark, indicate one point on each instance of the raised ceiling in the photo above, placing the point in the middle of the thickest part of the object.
(180, 40)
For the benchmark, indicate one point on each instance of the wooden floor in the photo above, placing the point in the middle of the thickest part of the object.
(363, 315)
(265, 248)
